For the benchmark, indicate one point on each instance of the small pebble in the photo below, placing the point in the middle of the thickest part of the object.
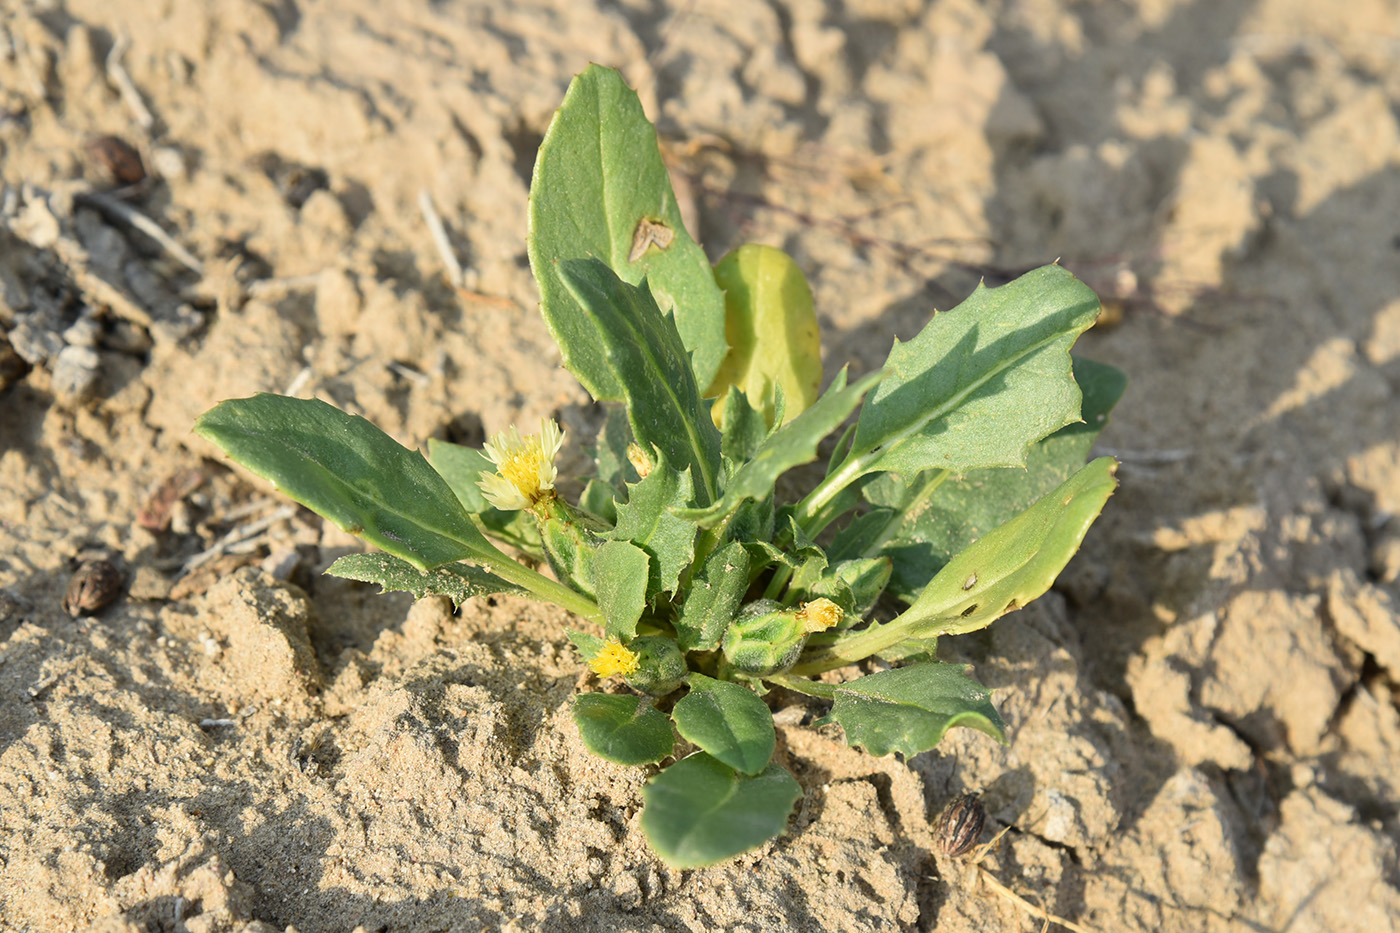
(115, 163)
(75, 373)
(95, 584)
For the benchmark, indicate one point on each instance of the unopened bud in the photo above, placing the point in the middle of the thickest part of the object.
(660, 665)
(764, 639)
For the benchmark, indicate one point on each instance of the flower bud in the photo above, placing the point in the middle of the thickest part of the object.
(660, 665)
(767, 638)
(764, 639)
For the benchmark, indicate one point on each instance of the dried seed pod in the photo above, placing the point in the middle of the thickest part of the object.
(94, 585)
(115, 162)
(959, 826)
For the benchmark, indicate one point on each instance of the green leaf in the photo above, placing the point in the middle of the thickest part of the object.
(459, 582)
(611, 453)
(794, 444)
(980, 383)
(808, 560)
(599, 499)
(1004, 570)
(645, 354)
(713, 599)
(911, 650)
(588, 645)
(620, 579)
(854, 585)
(461, 467)
(864, 534)
(624, 729)
(600, 189)
(727, 720)
(744, 427)
(700, 811)
(1015, 562)
(774, 342)
(934, 525)
(908, 710)
(350, 472)
(647, 521)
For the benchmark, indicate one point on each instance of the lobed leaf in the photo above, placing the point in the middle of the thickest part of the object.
(854, 585)
(351, 473)
(981, 382)
(646, 519)
(909, 709)
(600, 190)
(645, 355)
(728, 721)
(700, 811)
(459, 582)
(744, 428)
(624, 729)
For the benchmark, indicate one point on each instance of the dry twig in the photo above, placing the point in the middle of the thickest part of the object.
(453, 268)
(125, 213)
(116, 73)
(984, 875)
(241, 538)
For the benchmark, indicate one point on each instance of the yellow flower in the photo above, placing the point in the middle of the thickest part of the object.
(614, 658)
(819, 614)
(525, 470)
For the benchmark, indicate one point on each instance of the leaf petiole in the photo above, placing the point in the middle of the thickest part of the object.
(803, 685)
(542, 586)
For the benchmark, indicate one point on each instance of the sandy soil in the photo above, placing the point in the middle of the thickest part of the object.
(1204, 721)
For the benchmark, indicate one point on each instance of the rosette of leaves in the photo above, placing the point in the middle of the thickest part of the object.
(956, 491)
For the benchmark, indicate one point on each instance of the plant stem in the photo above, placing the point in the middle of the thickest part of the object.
(781, 576)
(828, 489)
(542, 586)
(852, 648)
(804, 686)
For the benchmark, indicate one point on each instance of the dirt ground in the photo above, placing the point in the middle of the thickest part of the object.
(1204, 718)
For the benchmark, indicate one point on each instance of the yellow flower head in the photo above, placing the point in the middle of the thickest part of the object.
(820, 614)
(525, 470)
(614, 658)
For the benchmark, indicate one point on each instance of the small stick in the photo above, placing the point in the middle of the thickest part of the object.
(410, 374)
(1026, 905)
(230, 541)
(298, 382)
(455, 277)
(984, 874)
(116, 73)
(277, 288)
(130, 216)
(480, 298)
